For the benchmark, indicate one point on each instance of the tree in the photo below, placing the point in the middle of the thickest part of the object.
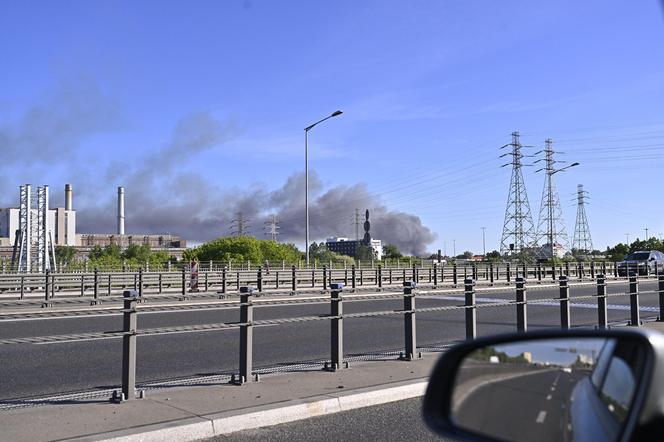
(494, 256)
(465, 255)
(242, 249)
(390, 251)
(64, 254)
(366, 253)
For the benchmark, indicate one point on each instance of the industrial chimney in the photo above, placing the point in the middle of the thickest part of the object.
(68, 197)
(121, 212)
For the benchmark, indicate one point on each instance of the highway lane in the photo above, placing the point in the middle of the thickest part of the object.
(29, 370)
(523, 408)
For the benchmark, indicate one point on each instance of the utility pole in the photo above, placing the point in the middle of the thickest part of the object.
(483, 243)
(272, 228)
(518, 229)
(646, 233)
(627, 235)
(357, 224)
(454, 247)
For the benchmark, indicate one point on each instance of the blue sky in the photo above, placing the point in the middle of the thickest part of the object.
(102, 94)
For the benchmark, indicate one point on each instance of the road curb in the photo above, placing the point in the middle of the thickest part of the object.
(207, 426)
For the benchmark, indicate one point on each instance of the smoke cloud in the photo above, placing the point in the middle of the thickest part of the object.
(195, 209)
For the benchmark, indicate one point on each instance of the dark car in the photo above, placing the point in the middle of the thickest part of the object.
(642, 263)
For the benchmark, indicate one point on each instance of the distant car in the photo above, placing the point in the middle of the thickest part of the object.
(641, 263)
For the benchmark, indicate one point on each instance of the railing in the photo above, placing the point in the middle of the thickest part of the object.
(409, 294)
(86, 267)
(98, 284)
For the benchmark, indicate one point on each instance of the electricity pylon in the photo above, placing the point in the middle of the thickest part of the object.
(582, 241)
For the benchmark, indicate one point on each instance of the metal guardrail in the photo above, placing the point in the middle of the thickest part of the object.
(409, 294)
(98, 284)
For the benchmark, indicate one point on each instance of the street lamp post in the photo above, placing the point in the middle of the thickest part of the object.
(483, 243)
(306, 180)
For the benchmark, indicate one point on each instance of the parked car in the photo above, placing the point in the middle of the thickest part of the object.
(641, 263)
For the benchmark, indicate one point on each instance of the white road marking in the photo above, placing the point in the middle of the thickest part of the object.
(540, 417)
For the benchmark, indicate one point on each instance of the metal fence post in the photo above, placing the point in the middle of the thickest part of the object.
(324, 277)
(246, 334)
(380, 276)
(293, 279)
(601, 301)
(521, 306)
(539, 272)
(390, 275)
(23, 287)
(634, 301)
(471, 312)
(435, 276)
(313, 276)
(259, 279)
(454, 274)
(223, 280)
(140, 282)
(474, 272)
(567, 269)
(207, 285)
(82, 284)
(491, 273)
(129, 322)
(409, 321)
(509, 273)
(160, 282)
(352, 275)
(108, 289)
(564, 303)
(416, 276)
(615, 269)
(184, 282)
(592, 269)
(46, 286)
(345, 276)
(660, 318)
(361, 276)
(337, 328)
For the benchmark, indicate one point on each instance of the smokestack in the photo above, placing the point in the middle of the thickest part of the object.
(68, 197)
(121, 212)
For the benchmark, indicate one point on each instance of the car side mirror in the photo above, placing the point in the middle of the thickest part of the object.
(603, 385)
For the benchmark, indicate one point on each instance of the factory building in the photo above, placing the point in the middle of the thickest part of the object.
(60, 225)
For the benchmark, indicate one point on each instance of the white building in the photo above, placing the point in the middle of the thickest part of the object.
(61, 223)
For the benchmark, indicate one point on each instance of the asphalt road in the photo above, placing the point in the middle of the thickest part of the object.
(524, 408)
(34, 370)
(394, 421)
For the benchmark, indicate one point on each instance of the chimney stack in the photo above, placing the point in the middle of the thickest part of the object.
(121, 211)
(68, 197)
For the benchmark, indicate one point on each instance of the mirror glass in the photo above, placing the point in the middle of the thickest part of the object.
(548, 389)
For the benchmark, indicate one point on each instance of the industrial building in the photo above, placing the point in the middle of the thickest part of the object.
(30, 233)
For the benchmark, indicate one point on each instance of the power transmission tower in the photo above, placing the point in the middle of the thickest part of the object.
(582, 240)
(272, 228)
(240, 225)
(518, 229)
(551, 233)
